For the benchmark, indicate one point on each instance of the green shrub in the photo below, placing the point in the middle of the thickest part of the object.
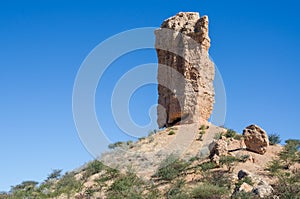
(175, 190)
(218, 136)
(230, 133)
(244, 195)
(126, 186)
(115, 145)
(206, 166)
(193, 159)
(218, 178)
(203, 127)
(153, 193)
(24, 190)
(170, 168)
(226, 160)
(95, 167)
(208, 191)
(288, 186)
(244, 158)
(67, 185)
(171, 133)
(56, 174)
(274, 139)
(110, 174)
(246, 179)
(274, 166)
(290, 152)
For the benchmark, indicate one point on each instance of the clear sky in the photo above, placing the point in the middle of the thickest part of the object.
(255, 45)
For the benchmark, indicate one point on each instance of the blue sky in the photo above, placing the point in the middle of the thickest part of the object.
(255, 45)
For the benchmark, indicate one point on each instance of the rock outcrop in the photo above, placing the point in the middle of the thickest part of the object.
(260, 187)
(185, 72)
(256, 139)
(220, 148)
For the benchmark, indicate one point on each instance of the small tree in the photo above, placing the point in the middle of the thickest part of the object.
(290, 152)
(56, 174)
(274, 139)
(170, 168)
(24, 186)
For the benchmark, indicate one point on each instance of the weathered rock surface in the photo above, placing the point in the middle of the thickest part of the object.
(220, 148)
(245, 187)
(260, 187)
(256, 139)
(263, 189)
(185, 72)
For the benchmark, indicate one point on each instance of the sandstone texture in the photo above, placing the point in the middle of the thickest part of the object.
(256, 139)
(260, 187)
(220, 148)
(185, 71)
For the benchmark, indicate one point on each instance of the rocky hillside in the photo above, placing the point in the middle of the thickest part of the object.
(191, 158)
(229, 168)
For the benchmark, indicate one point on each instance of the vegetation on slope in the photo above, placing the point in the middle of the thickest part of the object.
(174, 178)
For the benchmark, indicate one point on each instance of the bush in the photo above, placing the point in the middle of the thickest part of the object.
(203, 127)
(115, 145)
(244, 195)
(274, 166)
(93, 168)
(126, 186)
(246, 179)
(175, 190)
(290, 152)
(110, 174)
(274, 139)
(244, 158)
(208, 191)
(56, 174)
(218, 136)
(288, 186)
(218, 178)
(227, 160)
(67, 185)
(171, 133)
(230, 133)
(170, 168)
(206, 166)
(24, 190)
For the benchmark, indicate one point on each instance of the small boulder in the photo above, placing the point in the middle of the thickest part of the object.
(243, 173)
(216, 159)
(263, 189)
(219, 148)
(256, 139)
(245, 188)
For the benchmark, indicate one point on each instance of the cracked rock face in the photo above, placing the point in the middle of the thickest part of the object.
(185, 72)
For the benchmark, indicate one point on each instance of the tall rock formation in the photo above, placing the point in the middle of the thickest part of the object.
(185, 72)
